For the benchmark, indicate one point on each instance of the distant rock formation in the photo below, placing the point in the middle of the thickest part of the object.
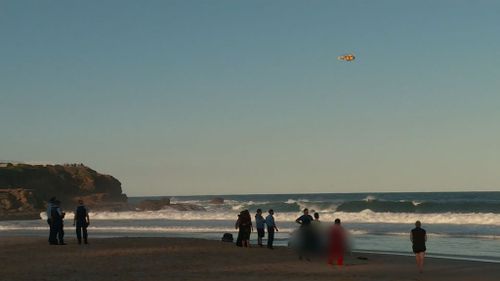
(217, 200)
(33, 185)
(153, 205)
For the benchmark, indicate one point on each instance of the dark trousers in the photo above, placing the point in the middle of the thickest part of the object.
(52, 232)
(270, 237)
(79, 230)
(57, 230)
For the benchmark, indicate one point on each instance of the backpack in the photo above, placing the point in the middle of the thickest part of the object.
(227, 237)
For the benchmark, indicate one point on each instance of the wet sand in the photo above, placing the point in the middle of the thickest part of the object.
(145, 259)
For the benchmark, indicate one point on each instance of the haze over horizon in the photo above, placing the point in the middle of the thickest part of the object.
(236, 97)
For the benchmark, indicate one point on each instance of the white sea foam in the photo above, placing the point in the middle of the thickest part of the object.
(366, 216)
(370, 198)
(416, 203)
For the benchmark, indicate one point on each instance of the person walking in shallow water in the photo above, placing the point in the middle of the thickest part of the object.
(82, 221)
(418, 237)
(271, 227)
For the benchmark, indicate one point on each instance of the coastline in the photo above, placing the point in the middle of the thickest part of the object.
(198, 259)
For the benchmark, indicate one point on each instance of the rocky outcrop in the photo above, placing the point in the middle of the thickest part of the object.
(217, 200)
(153, 205)
(18, 204)
(35, 184)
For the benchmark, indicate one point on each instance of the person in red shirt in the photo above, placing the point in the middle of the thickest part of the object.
(337, 244)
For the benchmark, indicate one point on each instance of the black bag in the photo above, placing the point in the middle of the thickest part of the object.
(227, 237)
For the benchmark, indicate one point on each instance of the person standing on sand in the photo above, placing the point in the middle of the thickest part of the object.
(305, 234)
(82, 221)
(337, 243)
(52, 231)
(244, 224)
(317, 237)
(56, 218)
(271, 227)
(260, 223)
(418, 237)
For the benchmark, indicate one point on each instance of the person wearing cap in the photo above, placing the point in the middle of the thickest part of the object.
(82, 221)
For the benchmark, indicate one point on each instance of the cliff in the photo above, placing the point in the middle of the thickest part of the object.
(28, 187)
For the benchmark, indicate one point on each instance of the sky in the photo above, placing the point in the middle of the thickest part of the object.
(236, 97)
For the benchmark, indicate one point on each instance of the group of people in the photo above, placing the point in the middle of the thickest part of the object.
(55, 219)
(313, 240)
(245, 227)
(309, 239)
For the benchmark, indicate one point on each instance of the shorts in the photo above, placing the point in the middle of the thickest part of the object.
(419, 249)
(261, 232)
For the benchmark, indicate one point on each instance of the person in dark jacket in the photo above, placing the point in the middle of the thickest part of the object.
(52, 230)
(271, 227)
(418, 237)
(305, 234)
(82, 221)
(244, 225)
(56, 219)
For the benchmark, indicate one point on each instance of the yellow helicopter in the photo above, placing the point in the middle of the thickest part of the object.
(347, 57)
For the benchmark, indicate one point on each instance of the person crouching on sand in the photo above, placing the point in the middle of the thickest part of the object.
(418, 237)
(337, 243)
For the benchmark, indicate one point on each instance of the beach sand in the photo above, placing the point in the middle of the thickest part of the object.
(144, 259)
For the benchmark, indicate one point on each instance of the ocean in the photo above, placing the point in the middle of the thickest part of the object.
(460, 225)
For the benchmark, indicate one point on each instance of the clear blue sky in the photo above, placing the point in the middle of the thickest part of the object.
(216, 97)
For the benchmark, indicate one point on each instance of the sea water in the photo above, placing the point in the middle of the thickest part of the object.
(462, 225)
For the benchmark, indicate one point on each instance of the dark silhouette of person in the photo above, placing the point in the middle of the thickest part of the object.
(418, 237)
(82, 221)
(56, 217)
(244, 226)
(52, 231)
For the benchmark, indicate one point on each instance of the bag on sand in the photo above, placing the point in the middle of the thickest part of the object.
(227, 237)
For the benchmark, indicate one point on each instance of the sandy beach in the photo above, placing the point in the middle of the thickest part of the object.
(144, 259)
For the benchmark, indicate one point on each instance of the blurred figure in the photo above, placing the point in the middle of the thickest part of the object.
(260, 223)
(316, 218)
(318, 240)
(418, 237)
(305, 234)
(244, 224)
(337, 243)
(271, 227)
(82, 221)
